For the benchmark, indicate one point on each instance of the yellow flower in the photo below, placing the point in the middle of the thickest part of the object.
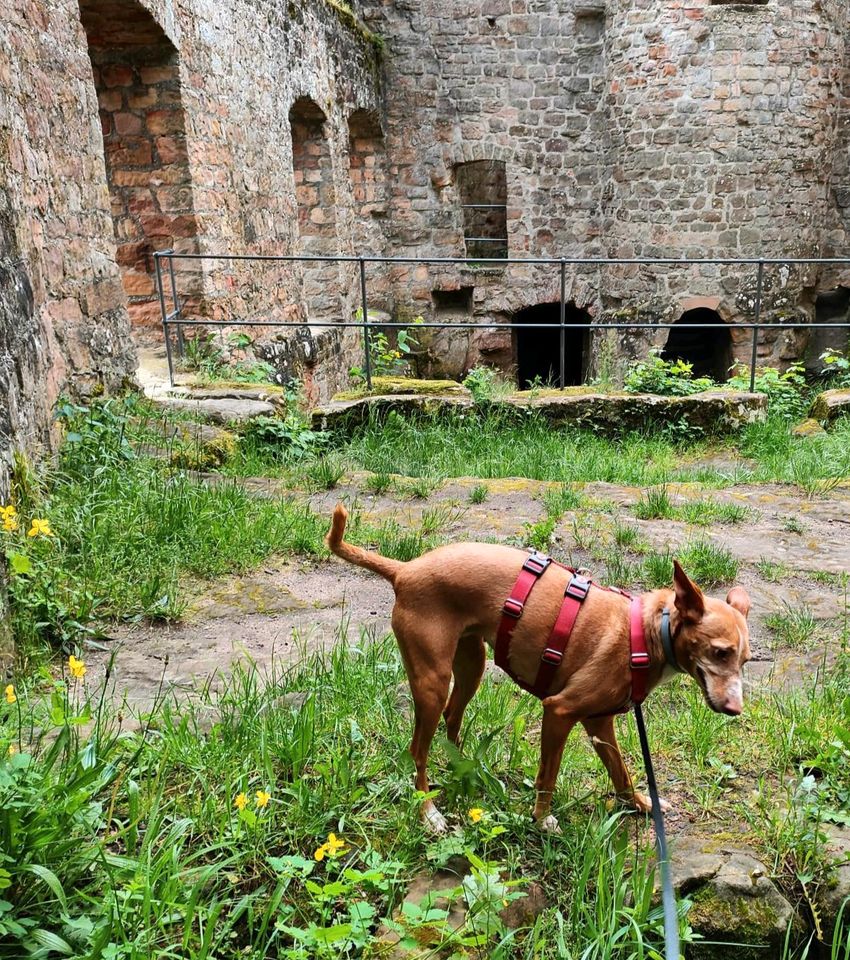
(331, 848)
(475, 814)
(39, 527)
(77, 667)
(241, 802)
(9, 517)
(263, 798)
(12, 749)
(10, 693)
(10, 524)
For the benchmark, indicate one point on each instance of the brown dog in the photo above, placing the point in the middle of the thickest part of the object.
(449, 604)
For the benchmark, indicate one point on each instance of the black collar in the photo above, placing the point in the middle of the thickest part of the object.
(667, 641)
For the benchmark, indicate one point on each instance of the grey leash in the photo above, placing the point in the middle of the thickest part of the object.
(668, 898)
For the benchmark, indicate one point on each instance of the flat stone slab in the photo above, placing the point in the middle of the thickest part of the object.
(830, 405)
(711, 410)
(219, 409)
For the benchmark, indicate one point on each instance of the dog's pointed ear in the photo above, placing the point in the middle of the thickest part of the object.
(689, 599)
(739, 599)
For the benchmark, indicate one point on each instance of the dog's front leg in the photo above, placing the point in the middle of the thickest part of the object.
(557, 723)
(603, 736)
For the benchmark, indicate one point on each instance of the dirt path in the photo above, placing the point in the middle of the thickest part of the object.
(286, 609)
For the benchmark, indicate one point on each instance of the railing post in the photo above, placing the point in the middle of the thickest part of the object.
(178, 309)
(756, 318)
(563, 321)
(165, 331)
(364, 306)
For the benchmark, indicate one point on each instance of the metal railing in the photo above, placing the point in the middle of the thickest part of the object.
(174, 318)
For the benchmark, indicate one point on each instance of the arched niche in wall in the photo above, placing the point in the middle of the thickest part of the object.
(367, 169)
(707, 348)
(315, 195)
(136, 71)
(482, 190)
(537, 349)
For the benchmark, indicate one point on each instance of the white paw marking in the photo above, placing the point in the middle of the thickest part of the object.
(435, 822)
(549, 824)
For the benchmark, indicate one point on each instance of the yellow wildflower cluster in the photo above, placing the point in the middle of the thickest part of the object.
(261, 798)
(331, 848)
(475, 814)
(9, 518)
(39, 528)
(77, 667)
(11, 697)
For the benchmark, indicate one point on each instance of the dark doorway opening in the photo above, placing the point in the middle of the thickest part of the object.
(538, 350)
(833, 307)
(708, 350)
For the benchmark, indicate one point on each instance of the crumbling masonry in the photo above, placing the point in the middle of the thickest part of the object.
(563, 128)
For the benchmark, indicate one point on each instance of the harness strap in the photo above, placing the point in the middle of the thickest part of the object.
(639, 656)
(550, 659)
(532, 570)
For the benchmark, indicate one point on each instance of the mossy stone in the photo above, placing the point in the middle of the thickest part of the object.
(395, 386)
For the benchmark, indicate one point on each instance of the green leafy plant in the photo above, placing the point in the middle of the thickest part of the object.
(287, 438)
(385, 359)
(836, 366)
(787, 391)
(666, 377)
(479, 493)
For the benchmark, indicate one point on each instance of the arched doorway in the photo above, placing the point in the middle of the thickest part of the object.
(707, 349)
(538, 350)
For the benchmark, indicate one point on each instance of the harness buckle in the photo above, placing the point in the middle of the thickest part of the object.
(639, 661)
(537, 563)
(552, 656)
(577, 588)
(513, 608)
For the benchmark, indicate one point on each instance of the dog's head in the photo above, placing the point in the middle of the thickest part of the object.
(713, 641)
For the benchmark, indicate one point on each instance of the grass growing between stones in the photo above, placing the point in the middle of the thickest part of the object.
(199, 835)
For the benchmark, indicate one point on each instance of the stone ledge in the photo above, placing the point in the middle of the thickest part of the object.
(715, 410)
(830, 405)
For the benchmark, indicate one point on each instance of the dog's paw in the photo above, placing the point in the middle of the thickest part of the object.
(434, 821)
(549, 824)
(642, 803)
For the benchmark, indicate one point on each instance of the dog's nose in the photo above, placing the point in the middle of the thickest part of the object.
(733, 707)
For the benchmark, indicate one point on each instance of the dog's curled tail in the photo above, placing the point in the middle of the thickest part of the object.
(386, 566)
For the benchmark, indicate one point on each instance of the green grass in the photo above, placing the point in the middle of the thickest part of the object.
(134, 839)
(793, 626)
(479, 493)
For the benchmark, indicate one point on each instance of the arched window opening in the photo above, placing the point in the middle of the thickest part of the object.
(707, 349)
(482, 187)
(316, 199)
(538, 349)
(136, 74)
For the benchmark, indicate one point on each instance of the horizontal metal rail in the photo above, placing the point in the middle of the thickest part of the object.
(175, 318)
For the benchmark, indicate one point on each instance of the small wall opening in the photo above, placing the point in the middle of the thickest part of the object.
(708, 350)
(136, 73)
(316, 198)
(367, 159)
(482, 188)
(453, 301)
(833, 307)
(538, 350)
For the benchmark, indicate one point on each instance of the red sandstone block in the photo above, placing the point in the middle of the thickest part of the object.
(137, 284)
(158, 74)
(171, 149)
(116, 75)
(141, 101)
(127, 124)
(161, 225)
(131, 178)
(141, 201)
(129, 153)
(110, 100)
(133, 254)
(164, 121)
(145, 314)
(174, 199)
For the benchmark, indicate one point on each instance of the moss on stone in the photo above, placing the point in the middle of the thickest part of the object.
(393, 386)
(204, 450)
(750, 923)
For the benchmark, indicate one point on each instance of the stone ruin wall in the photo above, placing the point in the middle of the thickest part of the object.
(628, 129)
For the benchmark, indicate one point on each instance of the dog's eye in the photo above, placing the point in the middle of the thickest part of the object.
(722, 653)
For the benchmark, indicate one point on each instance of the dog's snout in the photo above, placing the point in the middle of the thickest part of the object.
(733, 708)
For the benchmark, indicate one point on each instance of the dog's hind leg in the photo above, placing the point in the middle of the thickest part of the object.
(468, 668)
(429, 673)
(557, 724)
(603, 736)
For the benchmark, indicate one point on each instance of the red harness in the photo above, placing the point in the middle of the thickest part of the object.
(574, 595)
